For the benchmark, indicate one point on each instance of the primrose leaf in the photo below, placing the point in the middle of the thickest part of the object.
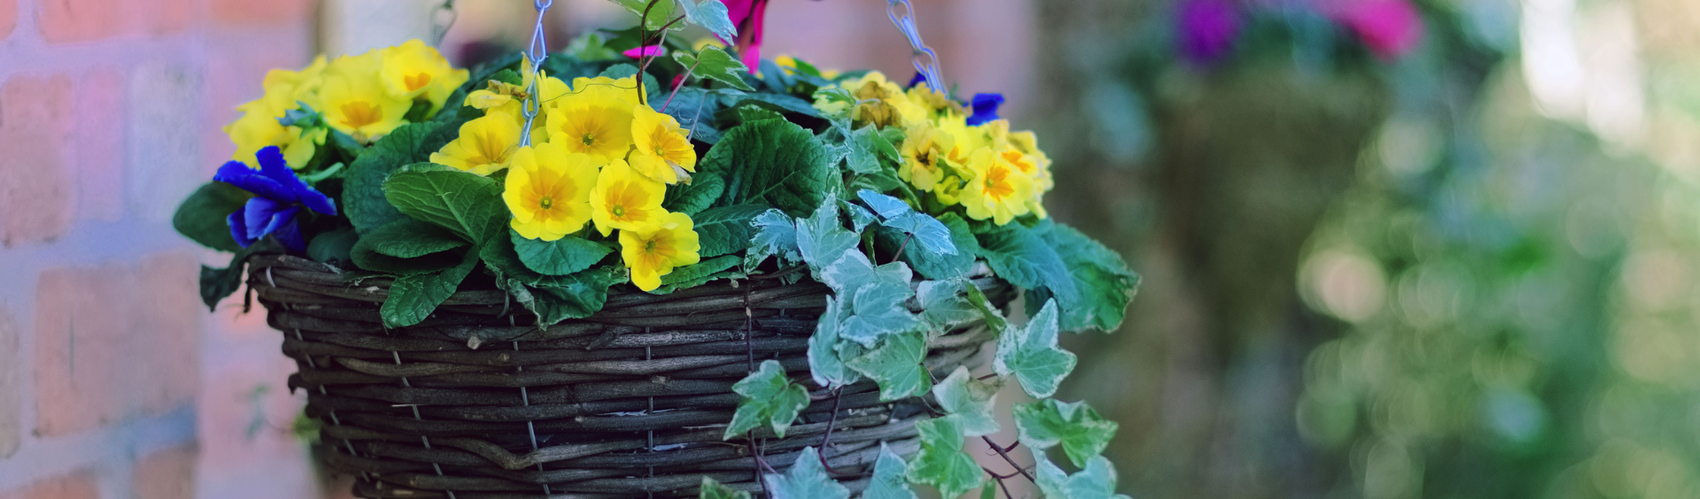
(564, 256)
(896, 366)
(1081, 432)
(773, 163)
(1104, 282)
(699, 273)
(825, 365)
(1031, 354)
(409, 238)
(711, 489)
(769, 399)
(1026, 260)
(413, 297)
(942, 462)
(888, 482)
(807, 479)
(1096, 481)
(693, 198)
(715, 64)
(726, 229)
(712, 16)
(202, 216)
(945, 304)
(468, 204)
(971, 399)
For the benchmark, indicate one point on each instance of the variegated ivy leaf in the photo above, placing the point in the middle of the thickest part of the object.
(971, 399)
(654, 16)
(776, 236)
(1096, 481)
(945, 304)
(824, 362)
(806, 479)
(712, 16)
(888, 480)
(1031, 354)
(822, 239)
(877, 311)
(928, 232)
(769, 399)
(896, 366)
(860, 218)
(1081, 432)
(715, 64)
(853, 271)
(941, 462)
(714, 490)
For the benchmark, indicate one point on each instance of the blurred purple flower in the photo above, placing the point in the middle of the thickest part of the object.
(985, 108)
(1390, 28)
(1208, 29)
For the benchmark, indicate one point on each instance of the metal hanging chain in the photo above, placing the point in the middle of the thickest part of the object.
(536, 53)
(442, 18)
(926, 61)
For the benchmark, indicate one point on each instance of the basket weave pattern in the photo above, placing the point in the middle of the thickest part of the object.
(474, 403)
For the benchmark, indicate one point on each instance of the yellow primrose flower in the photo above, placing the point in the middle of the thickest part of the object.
(998, 190)
(962, 143)
(935, 104)
(258, 129)
(485, 145)
(413, 70)
(594, 123)
(654, 251)
(949, 190)
(625, 200)
(284, 88)
(548, 192)
(923, 156)
(661, 146)
(354, 102)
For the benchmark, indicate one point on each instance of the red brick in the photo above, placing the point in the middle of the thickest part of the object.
(37, 199)
(67, 21)
(115, 341)
(11, 416)
(260, 13)
(8, 17)
(168, 474)
(100, 145)
(161, 17)
(80, 485)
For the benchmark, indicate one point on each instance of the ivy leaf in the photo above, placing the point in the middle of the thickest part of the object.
(715, 64)
(993, 316)
(201, 218)
(769, 399)
(693, 198)
(806, 479)
(896, 366)
(1081, 432)
(1031, 354)
(821, 239)
(877, 311)
(776, 235)
(409, 238)
(928, 232)
(412, 298)
(712, 16)
(851, 272)
(825, 365)
(970, 399)
(657, 16)
(938, 265)
(773, 163)
(564, 256)
(941, 462)
(1104, 282)
(468, 204)
(888, 482)
(1026, 260)
(1096, 481)
(711, 489)
(860, 218)
(726, 229)
(945, 305)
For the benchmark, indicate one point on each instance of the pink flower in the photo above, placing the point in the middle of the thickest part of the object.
(748, 16)
(646, 51)
(1390, 28)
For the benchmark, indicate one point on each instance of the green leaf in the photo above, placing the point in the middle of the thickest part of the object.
(712, 16)
(202, 217)
(971, 399)
(589, 47)
(1104, 282)
(564, 256)
(769, 399)
(776, 235)
(369, 259)
(409, 238)
(774, 163)
(865, 147)
(558, 298)
(896, 366)
(945, 304)
(726, 229)
(779, 102)
(877, 312)
(825, 365)
(1031, 354)
(928, 232)
(942, 462)
(715, 64)
(889, 482)
(699, 273)
(468, 204)
(362, 193)
(860, 217)
(412, 298)
(218, 283)
(807, 479)
(853, 271)
(693, 198)
(993, 317)
(821, 238)
(654, 17)
(334, 247)
(1096, 481)
(939, 265)
(1081, 432)
(1024, 259)
(714, 490)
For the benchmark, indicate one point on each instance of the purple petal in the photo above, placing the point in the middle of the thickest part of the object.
(239, 229)
(985, 108)
(273, 166)
(258, 215)
(290, 235)
(917, 80)
(240, 175)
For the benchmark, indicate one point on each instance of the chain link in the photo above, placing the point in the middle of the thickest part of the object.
(926, 61)
(535, 53)
(442, 18)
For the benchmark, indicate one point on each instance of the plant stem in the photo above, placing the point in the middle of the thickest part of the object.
(1000, 450)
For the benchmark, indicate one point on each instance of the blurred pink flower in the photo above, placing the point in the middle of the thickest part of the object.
(748, 16)
(1208, 29)
(646, 51)
(1390, 28)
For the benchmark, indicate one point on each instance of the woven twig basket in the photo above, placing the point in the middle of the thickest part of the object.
(474, 403)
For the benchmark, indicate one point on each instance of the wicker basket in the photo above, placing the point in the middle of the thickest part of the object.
(474, 403)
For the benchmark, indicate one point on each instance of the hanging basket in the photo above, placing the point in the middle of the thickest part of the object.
(631, 402)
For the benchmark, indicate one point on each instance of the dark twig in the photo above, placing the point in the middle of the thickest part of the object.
(837, 396)
(1000, 450)
(902, 247)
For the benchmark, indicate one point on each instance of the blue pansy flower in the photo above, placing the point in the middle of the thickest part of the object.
(279, 196)
(985, 108)
(917, 80)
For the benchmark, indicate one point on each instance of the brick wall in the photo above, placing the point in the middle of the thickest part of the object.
(115, 383)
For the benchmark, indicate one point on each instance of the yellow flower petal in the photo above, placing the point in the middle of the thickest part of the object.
(625, 200)
(548, 192)
(654, 251)
(485, 145)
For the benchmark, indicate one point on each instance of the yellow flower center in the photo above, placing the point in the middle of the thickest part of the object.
(416, 81)
(589, 139)
(546, 202)
(996, 186)
(618, 211)
(649, 246)
(361, 113)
